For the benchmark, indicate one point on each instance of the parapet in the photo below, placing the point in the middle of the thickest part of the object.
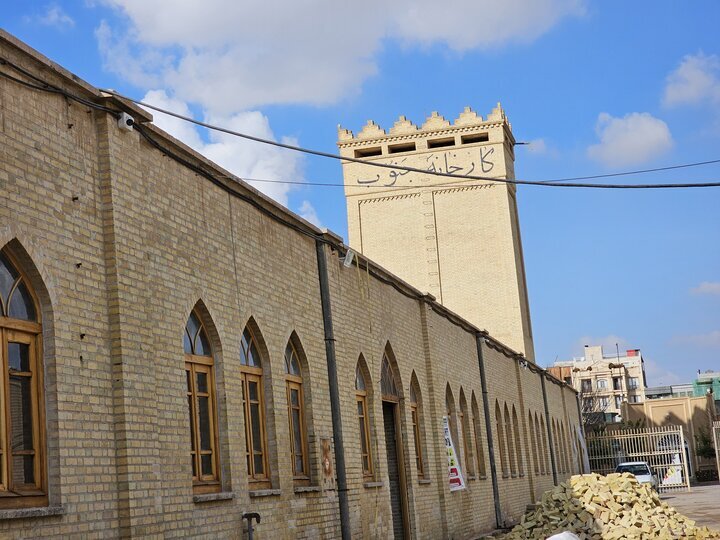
(433, 124)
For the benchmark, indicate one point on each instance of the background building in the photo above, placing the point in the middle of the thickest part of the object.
(604, 382)
(455, 238)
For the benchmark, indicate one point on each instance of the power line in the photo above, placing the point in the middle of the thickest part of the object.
(561, 182)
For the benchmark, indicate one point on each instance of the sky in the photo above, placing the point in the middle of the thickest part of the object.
(595, 87)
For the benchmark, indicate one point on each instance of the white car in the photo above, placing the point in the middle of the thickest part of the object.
(641, 470)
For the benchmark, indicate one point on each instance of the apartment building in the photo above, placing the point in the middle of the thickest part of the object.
(604, 381)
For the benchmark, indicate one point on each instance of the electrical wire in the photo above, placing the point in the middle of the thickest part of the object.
(562, 182)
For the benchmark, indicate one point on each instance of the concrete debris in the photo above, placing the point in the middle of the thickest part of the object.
(596, 507)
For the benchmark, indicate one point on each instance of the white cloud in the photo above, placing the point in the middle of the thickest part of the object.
(696, 80)
(230, 56)
(246, 159)
(537, 146)
(707, 287)
(708, 340)
(55, 16)
(610, 344)
(634, 139)
(657, 375)
(307, 211)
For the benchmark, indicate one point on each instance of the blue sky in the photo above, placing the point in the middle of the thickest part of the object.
(596, 87)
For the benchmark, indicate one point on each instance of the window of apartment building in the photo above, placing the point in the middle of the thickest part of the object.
(635, 399)
(618, 401)
(588, 403)
(617, 383)
(23, 474)
(634, 382)
(200, 377)
(415, 410)
(602, 384)
(586, 385)
(253, 398)
(296, 412)
(603, 403)
(361, 397)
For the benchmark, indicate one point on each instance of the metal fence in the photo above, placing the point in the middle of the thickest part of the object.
(716, 441)
(663, 448)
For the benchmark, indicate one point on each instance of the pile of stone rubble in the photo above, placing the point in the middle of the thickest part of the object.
(599, 507)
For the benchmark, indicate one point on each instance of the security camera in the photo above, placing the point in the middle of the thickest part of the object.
(126, 122)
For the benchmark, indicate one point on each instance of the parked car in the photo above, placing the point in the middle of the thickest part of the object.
(641, 470)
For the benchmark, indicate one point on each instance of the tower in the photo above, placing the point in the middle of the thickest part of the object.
(455, 238)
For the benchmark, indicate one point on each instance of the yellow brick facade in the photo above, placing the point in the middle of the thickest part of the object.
(456, 238)
(121, 242)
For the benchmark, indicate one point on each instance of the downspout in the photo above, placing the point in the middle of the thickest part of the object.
(488, 429)
(551, 443)
(334, 392)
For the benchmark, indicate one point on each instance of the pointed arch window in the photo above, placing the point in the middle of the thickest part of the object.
(477, 428)
(296, 413)
(415, 415)
(467, 447)
(501, 439)
(388, 387)
(200, 378)
(509, 440)
(533, 444)
(518, 443)
(361, 395)
(251, 373)
(23, 475)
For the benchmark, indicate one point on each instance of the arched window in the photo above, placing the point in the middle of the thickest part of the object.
(416, 416)
(518, 445)
(558, 459)
(361, 402)
(546, 448)
(452, 418)
(388, 388)
(533, 443)
(253, 397)
(296, 412)
(23, 475)
(477, 427)
(468, 454)
(501, 439)
(510, 442)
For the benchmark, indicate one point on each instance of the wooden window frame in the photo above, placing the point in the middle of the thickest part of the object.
(361, 399)
(501, 440)
(30, 333)
(518, 443)
(468, 456)
(295, 382)
(480, 456)
(194, 365)
(250, 374)
(415, 418)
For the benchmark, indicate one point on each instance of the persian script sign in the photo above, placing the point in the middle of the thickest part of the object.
(465, 162)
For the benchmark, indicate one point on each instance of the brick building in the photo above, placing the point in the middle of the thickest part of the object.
(178, 350)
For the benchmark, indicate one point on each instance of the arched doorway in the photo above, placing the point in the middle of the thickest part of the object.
(394, 451)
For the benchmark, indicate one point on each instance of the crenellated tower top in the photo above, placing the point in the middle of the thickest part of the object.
(435, 123)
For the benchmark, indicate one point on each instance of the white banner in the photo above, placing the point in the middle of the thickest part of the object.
(455, 477)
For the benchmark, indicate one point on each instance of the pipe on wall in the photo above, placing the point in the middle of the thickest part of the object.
(334, 392)
(488, 429)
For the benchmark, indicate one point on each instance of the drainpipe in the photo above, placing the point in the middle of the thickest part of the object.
(551, 443)
(488, 429)
(334, 392)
